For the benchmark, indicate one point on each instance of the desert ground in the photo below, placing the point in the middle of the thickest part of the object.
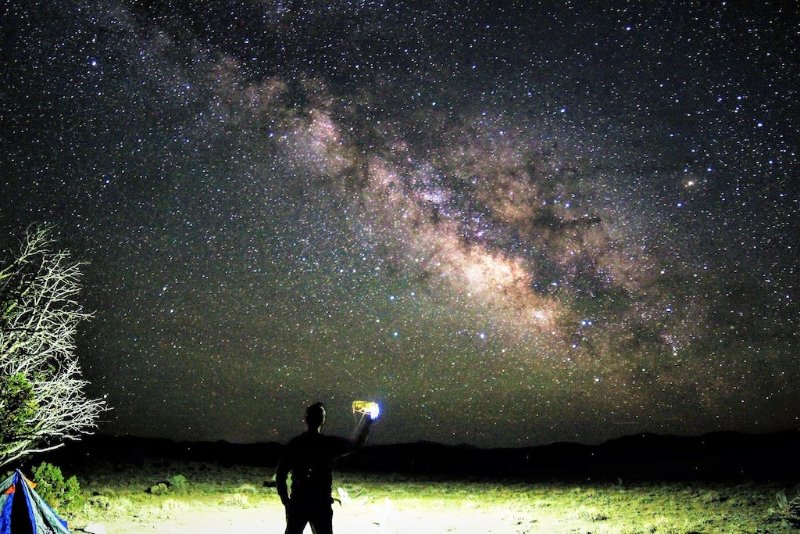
(211, 498)
(378, 518)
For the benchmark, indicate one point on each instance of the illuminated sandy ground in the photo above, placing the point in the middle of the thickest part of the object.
(379, 518)
(241, 500)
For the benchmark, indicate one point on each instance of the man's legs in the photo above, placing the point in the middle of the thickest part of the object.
(321, 519)
(296, 518)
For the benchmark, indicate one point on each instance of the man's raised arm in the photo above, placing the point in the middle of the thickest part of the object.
(361, 439)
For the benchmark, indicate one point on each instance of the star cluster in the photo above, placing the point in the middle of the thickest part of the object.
(509, 224)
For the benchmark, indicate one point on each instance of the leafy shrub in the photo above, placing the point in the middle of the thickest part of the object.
(17, 409)
(178, 483)
(51, 486)
(788, 510)
(158, 489)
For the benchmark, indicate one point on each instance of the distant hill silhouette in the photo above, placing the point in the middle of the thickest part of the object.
(718, 455)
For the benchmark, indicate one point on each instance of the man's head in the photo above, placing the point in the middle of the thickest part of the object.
(315, 416)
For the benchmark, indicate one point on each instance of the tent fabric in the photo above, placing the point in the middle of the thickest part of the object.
(23, 511)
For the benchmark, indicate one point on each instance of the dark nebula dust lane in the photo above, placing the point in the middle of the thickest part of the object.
(509, 224)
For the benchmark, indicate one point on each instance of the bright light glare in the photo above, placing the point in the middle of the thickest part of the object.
(372, 409)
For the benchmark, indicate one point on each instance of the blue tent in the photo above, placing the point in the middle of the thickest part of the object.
(22, 511)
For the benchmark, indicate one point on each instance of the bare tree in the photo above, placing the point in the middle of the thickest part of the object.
(42, 399)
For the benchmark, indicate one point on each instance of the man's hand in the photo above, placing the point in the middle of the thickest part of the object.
(281, 472)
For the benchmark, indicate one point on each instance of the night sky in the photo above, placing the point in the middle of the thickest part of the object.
(510, 223)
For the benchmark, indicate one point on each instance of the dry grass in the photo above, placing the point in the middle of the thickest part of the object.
(111, 494)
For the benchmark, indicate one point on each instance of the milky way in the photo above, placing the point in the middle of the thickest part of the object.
(509, 225)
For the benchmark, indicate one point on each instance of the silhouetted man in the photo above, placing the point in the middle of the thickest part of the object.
(310, 457)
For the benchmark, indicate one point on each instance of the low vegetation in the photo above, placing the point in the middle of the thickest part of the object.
(62, 493)
(158, 489)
